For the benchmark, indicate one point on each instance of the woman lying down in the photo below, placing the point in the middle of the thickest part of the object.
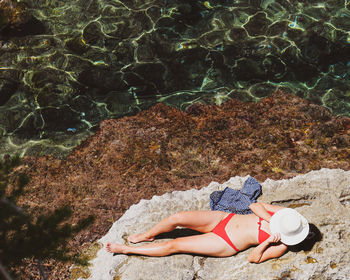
(272, 228)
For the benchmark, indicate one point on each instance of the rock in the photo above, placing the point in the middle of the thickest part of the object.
(67, 119)
(12, 13)
(102, 78)
(257, 24)
(77, 45)
(322, 196)
(16, 21)
(248, 69)
(277, 28)
(32, 26)
(261, 89)
(93, 35)
(238, 34)
(7, 89)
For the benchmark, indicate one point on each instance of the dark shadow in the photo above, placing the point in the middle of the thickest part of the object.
(31, 27)
(314, 236)
(179, 232)
(176, 233)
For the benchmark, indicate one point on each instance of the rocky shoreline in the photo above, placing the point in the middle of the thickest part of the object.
(164, 149)
(322, 196)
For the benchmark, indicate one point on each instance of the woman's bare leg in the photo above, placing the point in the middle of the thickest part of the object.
(203, 221)
(208, 244)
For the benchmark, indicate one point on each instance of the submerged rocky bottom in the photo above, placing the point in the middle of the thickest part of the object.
(164, 149)
(67, 65)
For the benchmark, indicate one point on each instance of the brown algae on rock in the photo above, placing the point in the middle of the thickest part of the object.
(79, 272)
(310, 260)
(319, 250)
(82, 271)
(284, 275)
(297, 205)
(333, 265)
(276, 266)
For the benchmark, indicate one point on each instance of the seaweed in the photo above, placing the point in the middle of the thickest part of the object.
(24, 235)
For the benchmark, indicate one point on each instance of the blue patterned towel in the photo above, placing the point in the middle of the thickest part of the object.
(236, 201)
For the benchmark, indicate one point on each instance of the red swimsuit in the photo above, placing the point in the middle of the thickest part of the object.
(262, 235)
(220, 230)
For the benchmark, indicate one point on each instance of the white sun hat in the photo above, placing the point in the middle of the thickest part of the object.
(292, 226)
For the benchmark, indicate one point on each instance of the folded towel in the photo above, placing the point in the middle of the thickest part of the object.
(236, 201)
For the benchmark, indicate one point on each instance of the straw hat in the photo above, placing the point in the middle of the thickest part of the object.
(292, 226)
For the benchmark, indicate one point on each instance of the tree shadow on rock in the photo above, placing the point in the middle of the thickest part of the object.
(24, 234)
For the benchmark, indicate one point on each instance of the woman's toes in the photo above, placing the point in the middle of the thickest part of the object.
(114, 248)
(108, 247)
(139, 237)
(135, 238)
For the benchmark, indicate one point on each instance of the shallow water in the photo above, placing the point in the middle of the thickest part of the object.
(84, 61)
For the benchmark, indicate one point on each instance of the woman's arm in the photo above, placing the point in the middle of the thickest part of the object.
(260, 209)
(265, 251)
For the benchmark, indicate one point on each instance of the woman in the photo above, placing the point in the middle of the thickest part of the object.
(224, 234)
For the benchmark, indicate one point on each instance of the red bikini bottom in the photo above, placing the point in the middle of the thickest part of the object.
(220, 230)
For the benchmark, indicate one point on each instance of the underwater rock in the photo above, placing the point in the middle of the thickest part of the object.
(152, 73)
(32, 26)
(12, 14)
(11, 75)
(248, 69)
(189, 49)
(276, 70)
(14, 121)
(93, 35)
(257, 24)
(324, 254)
(277, 28)
(68, 118)
(16, 21)
(77, 45)
(301, 70)
(342, 20)
(7, 89)
(317, 50)
(46, 78)
(262, 90)
(212, 39)
(238, 34)
(102, 78)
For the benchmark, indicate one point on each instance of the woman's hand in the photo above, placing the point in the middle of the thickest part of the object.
(274, 238)
(266, 250)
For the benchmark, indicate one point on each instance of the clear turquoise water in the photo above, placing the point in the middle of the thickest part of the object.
(81, 61)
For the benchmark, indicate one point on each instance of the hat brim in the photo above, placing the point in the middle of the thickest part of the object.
(287, 239)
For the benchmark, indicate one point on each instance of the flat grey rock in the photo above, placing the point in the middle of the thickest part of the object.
(323, 197)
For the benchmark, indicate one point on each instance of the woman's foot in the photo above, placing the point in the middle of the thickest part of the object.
(139, 237)
(115, 248)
